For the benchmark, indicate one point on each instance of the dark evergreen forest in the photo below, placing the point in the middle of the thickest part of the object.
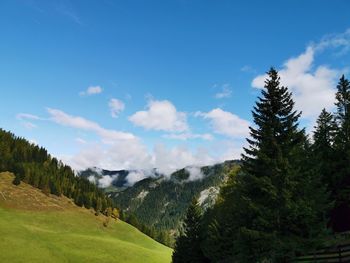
(291, 193)
(33, 165)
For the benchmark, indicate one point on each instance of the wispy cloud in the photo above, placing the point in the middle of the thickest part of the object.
(92, 90)
(66, 9)
(27, 119)
(80, 140)
(341, 42)
(29, 125)
(116, 106)
(225, 92)
(248, 69)
(27, 116)
(107, 136)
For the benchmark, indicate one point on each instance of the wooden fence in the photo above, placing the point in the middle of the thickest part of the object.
(340, 253)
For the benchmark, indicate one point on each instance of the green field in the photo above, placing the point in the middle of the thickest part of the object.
(38, 228)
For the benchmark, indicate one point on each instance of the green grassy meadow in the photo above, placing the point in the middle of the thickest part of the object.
(39, 228)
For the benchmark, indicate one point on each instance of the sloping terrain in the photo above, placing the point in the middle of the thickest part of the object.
(161, 201)
(35, 227)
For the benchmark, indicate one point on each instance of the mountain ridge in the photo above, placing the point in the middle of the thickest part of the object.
(161, 201)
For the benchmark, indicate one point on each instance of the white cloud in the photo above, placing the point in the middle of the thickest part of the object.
(247, 68)
(189, 135)
(26, 119)
(27, 116)
(161, 116)
(122, 154)
(135, 176)
(29, 125)
(339, 41)
(195, 173)
(105, 181)
(226, 123)
(80, 140)
(167, 160)
(307, 85)
(116, 106)
(92, 179)
(313, 87)
(108, 136)
(232, 149)
(134, 155)
(92, 90)
(32, 141)
(126, 151)
(225, 92)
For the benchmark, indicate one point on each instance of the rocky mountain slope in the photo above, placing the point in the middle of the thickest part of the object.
(161, 201)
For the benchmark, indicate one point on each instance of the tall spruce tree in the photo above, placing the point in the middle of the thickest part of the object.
(323, 148)
(282, 195)
(187, 246)
(276, 206)
(340, 219)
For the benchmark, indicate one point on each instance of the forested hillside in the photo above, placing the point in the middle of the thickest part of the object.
(291, 194)
(33, 165)
(156, 205)
(36, 227)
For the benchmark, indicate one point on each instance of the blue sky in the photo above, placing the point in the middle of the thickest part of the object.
(141, 84)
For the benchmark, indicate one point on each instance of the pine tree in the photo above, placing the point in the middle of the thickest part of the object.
(276, 206)
(322, 148)
(340, 218)
(187, 246)
(343, 103)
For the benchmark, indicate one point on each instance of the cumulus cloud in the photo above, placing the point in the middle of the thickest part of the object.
(225, 92)
(307, 84)
(226, 123)
(92, 90)
(161, 116)
(116, 106)
(122, 154)
(168, 160)
(134, 155)
(125, 151)
(108, 136)
(313, 87)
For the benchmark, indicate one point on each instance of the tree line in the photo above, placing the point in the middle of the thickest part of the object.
(160, 235)
(33, 165)
(291, 193)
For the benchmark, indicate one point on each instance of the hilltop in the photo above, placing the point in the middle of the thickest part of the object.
(38, 227)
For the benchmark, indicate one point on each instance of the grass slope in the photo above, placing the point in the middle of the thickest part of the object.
(39, 228)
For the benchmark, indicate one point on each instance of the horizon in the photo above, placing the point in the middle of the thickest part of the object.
(135, 86)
